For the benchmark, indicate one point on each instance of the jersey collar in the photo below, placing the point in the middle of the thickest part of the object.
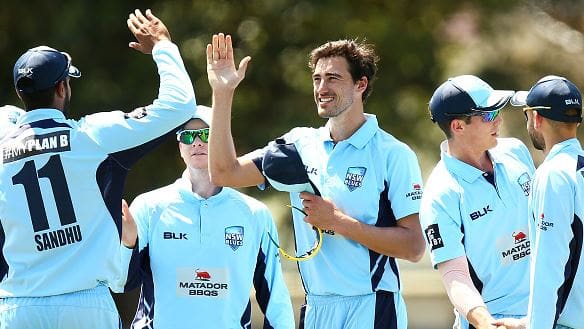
(40, 114)
(562, 147)
(184, 187)
(463, 169)
(361, 137)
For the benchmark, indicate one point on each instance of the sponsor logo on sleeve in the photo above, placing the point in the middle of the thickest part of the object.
(433, 237)
(137, 113)
(354, 177)
(544, 225)
(415, 193)
(525, 182)
(234, 237)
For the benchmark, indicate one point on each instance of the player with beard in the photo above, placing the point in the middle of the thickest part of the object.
(369, 184)
(62, 183)
(553, 109)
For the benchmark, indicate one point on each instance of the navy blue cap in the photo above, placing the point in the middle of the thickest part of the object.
(465, 94)
(551, 97)
(41, 68)
(284, 169)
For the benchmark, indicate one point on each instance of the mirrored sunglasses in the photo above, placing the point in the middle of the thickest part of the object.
(188, 136)
(487, 116)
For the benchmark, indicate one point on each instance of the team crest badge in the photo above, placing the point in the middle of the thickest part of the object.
(354, 177)
(234, 237)
(525, 182)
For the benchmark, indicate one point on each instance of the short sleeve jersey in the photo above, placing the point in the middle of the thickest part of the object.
(62, 182)
(463, 214)
(372, 177)
(557, 278)
(203, 256)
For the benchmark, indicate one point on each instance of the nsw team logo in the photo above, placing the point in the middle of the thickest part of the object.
(354, 177)
(234, 236)
(525, 182)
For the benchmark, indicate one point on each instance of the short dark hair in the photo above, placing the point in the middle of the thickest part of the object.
(445, 125)
(38, 99)
(360, 56)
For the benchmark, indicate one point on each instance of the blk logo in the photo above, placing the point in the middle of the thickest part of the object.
(174, 236)
(480, 213)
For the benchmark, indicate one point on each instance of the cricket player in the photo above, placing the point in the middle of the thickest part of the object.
(62, 182)
(202, 247)
(553, 109)
(369, 184)
(474, 207)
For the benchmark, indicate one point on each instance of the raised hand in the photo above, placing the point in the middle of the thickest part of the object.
(129, 228)
(148, 30)
(221, 70)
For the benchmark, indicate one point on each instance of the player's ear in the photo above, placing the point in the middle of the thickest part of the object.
(60, 89)
(362, 84)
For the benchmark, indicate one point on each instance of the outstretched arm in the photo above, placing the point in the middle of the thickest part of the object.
(224, 166)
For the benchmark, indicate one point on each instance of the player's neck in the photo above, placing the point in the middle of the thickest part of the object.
(346, 124)
(478, 158)
(201, 183)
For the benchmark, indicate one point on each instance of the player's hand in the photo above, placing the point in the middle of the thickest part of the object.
(147, 29)
(129, 228)
(511, 323)
(221, 70)
(320, 212)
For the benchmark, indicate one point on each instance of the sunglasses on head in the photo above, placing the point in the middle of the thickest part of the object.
(188, 136)
(534, 108)
(488, 116)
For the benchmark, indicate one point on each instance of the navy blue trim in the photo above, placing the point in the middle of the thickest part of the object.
(111, 179)
(262, 287)
(476, 281)
(47, 124)
(138, 263)
(3, 264)
(302, 316)
(111, 175)
(246, 317)
(385, 310)
(146, 302)
(385, 218)
(571, 267)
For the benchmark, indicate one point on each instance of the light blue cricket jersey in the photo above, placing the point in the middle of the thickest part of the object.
(462, 214)
(200, 258)
(62, 181)
(372, 177)
(557, 208)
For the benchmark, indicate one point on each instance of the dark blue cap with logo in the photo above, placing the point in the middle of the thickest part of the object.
(552, 97)
(463, 95)
(284, 169)
(41, 68)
